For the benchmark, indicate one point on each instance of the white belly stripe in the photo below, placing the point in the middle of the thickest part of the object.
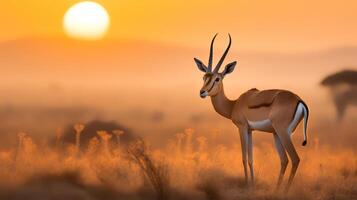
(263, 125)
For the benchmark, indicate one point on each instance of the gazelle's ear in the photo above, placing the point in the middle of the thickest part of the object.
(229, 68)
(200, 65)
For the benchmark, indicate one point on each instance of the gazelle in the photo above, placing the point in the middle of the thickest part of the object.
(275, 111)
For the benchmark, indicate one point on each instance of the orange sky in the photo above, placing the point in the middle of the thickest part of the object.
(276, 25)
(40, 70)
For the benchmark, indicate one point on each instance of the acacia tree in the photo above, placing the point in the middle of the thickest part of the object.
(118, 134)
(78, 130)
(105, 137)
(19, 149)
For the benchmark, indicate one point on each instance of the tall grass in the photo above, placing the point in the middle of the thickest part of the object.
(187, 167)
(156, 173)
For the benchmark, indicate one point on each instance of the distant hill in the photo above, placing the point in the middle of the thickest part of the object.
(91, 129)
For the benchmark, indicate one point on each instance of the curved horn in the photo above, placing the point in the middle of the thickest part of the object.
(211, 54)
(224, 55)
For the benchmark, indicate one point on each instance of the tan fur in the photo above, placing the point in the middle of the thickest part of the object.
(262, 98)
(268, 110)
(280, 112)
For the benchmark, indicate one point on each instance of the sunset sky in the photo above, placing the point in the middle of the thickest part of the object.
(143, 66)
(276, 25)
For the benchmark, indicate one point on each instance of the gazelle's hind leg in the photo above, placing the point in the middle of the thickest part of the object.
(283, 158)
(250, 156)
(282, 115)
(285, 139)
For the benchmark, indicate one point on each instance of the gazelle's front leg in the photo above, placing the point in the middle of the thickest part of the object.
(243, 132)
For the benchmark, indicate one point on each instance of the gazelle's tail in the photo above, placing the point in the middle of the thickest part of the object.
(306, 118)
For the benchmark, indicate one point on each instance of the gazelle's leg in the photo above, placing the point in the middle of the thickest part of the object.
(285, 139)
(250, 156)
(243, 132)
(283, 158)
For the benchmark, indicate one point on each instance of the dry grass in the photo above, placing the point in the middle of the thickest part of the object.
(187, 167)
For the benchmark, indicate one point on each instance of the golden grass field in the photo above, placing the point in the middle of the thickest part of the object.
(187, 167)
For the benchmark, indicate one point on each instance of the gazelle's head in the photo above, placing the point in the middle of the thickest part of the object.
(213, 79)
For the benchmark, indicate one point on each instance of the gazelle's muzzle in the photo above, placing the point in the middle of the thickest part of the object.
(203, 94)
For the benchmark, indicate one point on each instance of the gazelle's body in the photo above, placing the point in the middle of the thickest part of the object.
(275, 111)
(259, 116)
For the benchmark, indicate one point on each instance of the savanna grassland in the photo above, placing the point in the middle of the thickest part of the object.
(173, 144)
(188, 166)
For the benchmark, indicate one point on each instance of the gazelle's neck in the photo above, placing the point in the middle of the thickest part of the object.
(222, 104)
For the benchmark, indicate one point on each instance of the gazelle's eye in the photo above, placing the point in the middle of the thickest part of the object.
(217, 79)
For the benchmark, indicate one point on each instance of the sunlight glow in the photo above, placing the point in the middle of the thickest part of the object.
(86, 20)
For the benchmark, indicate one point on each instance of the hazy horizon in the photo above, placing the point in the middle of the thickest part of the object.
(111, 78)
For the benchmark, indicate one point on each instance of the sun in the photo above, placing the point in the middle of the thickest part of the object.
(86, 20)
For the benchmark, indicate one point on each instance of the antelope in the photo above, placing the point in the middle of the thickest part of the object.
(274, 111)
